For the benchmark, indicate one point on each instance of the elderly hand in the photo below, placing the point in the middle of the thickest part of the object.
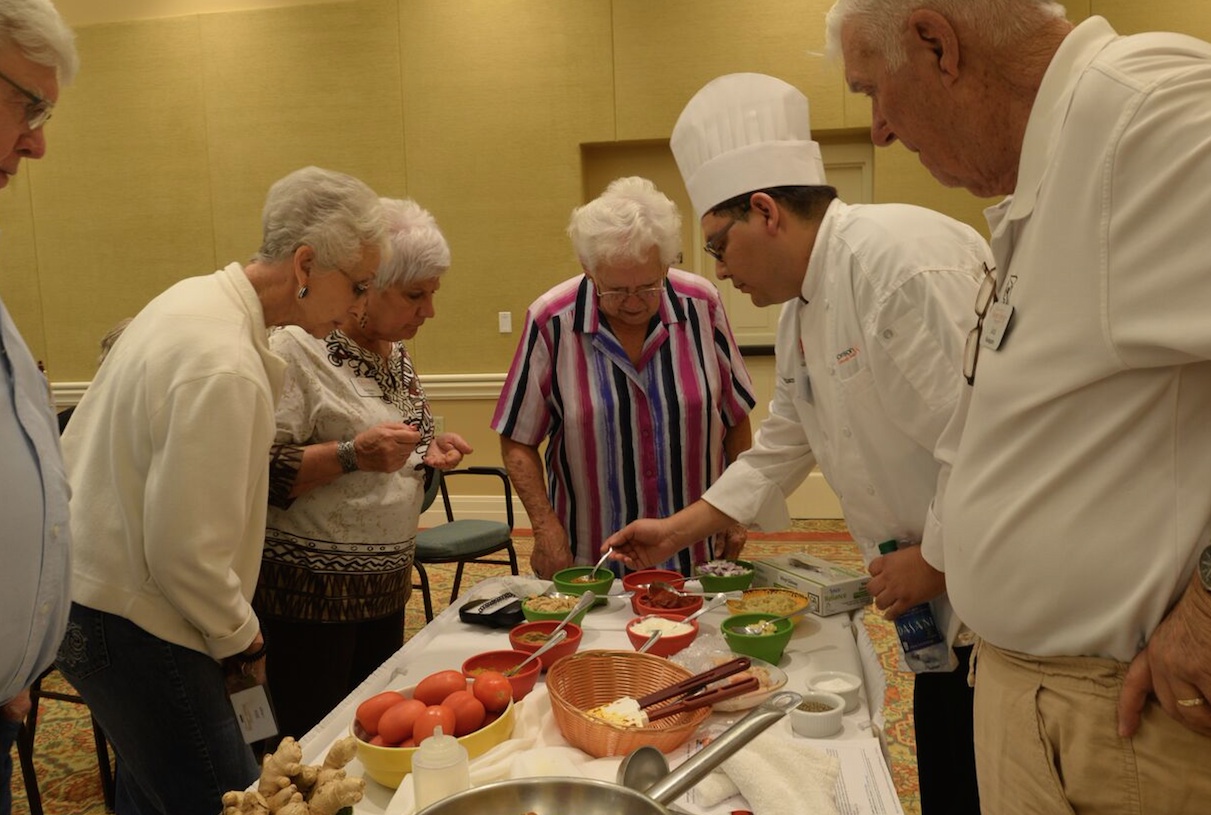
(17, 708)
(385, 447)
(1175, 665)
(644, 543)
(551, 549)
(734, 538)
(903, 579)
(446, 451)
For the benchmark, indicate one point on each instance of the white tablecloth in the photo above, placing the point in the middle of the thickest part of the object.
(819, 643)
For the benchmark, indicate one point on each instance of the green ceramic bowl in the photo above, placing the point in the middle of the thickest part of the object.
(566, 582)
(533, 615)
(762, 646)
(735, 582)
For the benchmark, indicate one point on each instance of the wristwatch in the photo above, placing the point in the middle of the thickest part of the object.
(1204, 568)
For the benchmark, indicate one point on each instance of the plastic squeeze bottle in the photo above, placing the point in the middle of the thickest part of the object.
(921, 640)
(440, 768)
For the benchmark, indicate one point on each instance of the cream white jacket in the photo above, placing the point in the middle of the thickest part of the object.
(168, 460)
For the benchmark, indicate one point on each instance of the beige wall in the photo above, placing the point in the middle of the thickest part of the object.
(186, 110)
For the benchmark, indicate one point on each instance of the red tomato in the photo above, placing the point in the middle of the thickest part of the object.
(379, 741)
(434, 688)
(396, 724)
(371, 710)
(493, 689)
(468, 712)
(431, 718)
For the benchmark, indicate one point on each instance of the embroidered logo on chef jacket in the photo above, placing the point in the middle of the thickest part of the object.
(848, 355)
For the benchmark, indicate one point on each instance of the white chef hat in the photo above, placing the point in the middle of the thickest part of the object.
(741, 133)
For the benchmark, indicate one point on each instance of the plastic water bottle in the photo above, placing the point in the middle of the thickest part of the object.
(922, 641)
(440, 768)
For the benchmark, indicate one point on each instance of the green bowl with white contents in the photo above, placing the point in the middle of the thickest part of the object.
(768, 645)
(724, 575)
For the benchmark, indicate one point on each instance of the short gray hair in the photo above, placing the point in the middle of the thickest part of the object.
(624, 223)
(335, 214)
(418, 249)
(35, 28)
(1001, 23)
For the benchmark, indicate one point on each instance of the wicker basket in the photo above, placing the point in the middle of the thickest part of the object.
(584, 680)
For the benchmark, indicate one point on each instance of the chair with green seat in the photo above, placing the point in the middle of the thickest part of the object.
(465, 540)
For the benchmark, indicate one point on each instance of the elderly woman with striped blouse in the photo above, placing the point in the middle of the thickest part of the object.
(631, 374)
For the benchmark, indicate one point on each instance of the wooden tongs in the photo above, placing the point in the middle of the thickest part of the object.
(630, 712)
(694, 691)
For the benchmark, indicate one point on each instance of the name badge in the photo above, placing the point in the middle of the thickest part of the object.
(996, 323)
(365, 386)
(254, 713)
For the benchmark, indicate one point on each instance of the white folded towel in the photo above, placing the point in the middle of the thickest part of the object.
(777, 774)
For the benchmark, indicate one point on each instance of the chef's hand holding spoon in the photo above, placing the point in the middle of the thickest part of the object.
(645, 543)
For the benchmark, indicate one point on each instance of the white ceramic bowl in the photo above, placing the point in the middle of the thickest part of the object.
(818, 724)
(846, 685)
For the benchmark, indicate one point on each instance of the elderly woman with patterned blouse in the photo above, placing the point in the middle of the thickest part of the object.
(631, 374)
(354, 440)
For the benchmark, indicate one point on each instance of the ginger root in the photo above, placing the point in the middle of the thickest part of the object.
(341, 753)
(289, 787)
(280, 766)
(244, 803)
(332, 796)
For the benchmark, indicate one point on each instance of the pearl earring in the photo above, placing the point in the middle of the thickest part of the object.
(302, 292)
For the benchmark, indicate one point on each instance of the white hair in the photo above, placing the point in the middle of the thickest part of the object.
(335, 214)
(418, 249)
(35, 28)
(880, 23)
(624, 223)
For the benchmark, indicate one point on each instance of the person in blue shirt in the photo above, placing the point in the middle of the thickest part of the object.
(37, 53)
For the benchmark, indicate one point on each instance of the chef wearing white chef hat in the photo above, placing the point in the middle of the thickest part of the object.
(878, 304)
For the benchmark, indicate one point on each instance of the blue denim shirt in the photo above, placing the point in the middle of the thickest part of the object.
(35, 539)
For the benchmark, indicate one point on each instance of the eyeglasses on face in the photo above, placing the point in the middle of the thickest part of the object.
(37, 109)
(715, 245)
(616, 297)
(984, 300)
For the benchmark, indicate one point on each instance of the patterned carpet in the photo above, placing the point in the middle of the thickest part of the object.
(66, 762)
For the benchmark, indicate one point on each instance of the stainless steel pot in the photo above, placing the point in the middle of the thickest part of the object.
(557, 796)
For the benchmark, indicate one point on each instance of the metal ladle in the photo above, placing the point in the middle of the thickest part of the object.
(642, 767)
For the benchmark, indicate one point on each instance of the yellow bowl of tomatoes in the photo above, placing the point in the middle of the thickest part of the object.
(389, 726)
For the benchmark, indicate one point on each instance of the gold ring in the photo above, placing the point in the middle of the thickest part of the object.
(1195, 702)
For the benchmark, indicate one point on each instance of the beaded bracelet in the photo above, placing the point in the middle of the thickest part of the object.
(347, 456)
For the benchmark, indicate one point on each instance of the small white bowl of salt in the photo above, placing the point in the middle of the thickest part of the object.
(846, 685)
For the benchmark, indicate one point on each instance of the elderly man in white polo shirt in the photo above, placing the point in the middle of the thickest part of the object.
(877, 307)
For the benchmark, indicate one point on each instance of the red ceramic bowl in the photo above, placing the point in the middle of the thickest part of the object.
(643, 607)
(636, 582)
(633, 580)
(519, 634)
(668, 644)
(523, 682)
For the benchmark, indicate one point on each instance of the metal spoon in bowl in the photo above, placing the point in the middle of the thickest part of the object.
(710, 605)
(587, 599)
(604, 556)
(767, 626)
(655, 635)
(661, 585)
(553, 640)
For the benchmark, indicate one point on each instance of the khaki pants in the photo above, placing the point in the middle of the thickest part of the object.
(1047, 742)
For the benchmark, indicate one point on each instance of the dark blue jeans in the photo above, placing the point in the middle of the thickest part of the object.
(166, 712)
(8, 737)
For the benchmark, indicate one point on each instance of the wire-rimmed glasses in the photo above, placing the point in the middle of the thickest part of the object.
(37, 109)
(984, 300)
(616, 297)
